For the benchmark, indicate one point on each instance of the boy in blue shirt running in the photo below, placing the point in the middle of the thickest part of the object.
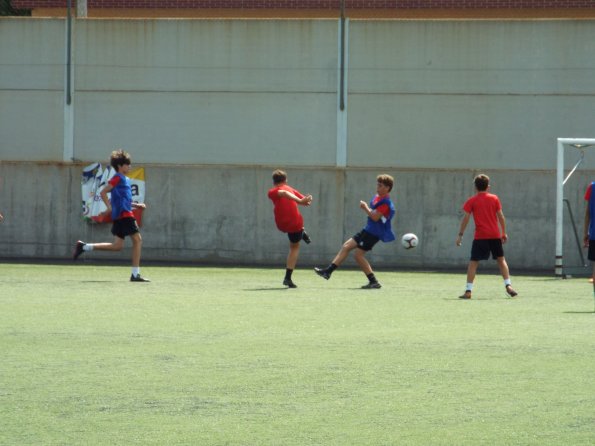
(120, 206)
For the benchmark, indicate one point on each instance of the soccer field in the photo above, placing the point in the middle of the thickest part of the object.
(225, 356)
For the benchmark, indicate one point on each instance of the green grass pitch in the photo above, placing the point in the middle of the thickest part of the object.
(226, 356)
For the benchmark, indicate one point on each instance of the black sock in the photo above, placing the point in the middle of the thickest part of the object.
(371, 277)
(331, 267)
(288, 273)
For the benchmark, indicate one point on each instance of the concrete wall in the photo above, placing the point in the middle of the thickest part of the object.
(211, 107)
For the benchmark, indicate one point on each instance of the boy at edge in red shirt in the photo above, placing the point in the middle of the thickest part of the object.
(487, 214)
(288, 218)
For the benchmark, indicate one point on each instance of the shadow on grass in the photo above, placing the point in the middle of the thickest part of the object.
(579, 312)
(267, 289)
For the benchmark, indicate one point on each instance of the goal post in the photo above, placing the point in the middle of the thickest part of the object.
(563, 144)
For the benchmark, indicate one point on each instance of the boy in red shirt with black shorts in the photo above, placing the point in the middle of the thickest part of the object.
(288, 218)
(487, 214)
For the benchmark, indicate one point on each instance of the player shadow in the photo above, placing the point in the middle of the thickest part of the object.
(579, 312)
(99, 281)
(267, 289)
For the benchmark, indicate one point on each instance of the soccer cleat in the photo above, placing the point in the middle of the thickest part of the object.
(306, 238)
(510, 291)
(138, 278)
(78, 250)
(322, 272)
(289, 283)
(466, 295)
(372, 286)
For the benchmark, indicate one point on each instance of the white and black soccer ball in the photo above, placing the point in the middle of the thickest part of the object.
(409, 241)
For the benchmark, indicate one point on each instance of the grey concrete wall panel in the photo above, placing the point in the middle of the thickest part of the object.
(221, 214)
(208, 128)
(464, 131)
(31, 83)
(229, 92)
(32, 54)
(207, 55)
(31, 125)
(468, 94)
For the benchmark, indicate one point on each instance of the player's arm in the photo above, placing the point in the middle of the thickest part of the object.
(502, 222)
(1, 217)
(464, 223)
(106, 190)
(374, 214)
(305, 200)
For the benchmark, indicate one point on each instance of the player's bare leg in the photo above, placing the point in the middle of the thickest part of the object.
(137, 244)
(360, 258)
(116, 245)
(347, 247)
(471, 272)
(292, 257)
(506, 276)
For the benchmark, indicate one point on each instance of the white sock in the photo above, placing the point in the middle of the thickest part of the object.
(135, 270)
(87, 247)
(469, 287)
(507, 282)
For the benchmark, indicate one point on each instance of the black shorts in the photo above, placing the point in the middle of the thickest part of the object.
(481, 249)
(295, 237)
(365, 241)
(124, 227)
(591, 255)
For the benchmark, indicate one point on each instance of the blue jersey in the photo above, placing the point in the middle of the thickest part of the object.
(381, 228)
(591, 212)
(121, 197)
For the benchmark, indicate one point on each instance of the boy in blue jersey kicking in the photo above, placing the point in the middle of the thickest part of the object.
(380, 212)
(589, 228)
(120, 206)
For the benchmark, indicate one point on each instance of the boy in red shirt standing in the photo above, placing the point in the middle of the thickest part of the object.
(288, 218)
(487, 214)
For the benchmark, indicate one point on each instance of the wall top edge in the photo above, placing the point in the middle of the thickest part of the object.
(307, 19)
(271, 167)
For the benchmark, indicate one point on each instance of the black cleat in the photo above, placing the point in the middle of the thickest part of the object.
(322, 272)
(510, 291)
(372, 286)
(78, 250)
(306, 238)
(138, 278)
(289, 283)
(465, 295)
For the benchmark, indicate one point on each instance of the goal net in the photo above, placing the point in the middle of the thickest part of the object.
(563, 206)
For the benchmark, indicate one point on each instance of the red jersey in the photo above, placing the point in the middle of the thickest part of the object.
(588, 192)
(287, 215)
(484, 207)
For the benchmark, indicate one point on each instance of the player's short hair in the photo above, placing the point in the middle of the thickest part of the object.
(387, 180)
(118, 158)
(482, 181)
(279, 176)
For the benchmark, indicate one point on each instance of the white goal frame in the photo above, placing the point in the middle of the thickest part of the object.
(563, 143)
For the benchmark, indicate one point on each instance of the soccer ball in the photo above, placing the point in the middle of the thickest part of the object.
(409, 241)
